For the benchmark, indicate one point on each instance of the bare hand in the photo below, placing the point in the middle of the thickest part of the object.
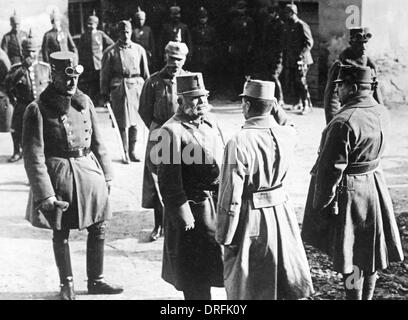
(189, 227)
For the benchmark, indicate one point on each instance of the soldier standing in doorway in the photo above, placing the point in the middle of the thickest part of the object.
(355, 54)
(91, 46)
(57, 39)
(297, 56)
(124, 71)
(143, 35)
(12, 40)
(24, 83)
(158, 103)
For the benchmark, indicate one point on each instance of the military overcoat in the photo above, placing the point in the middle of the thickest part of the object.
(124, 71)
(53, 125)
(264, 256)
(349, 213)
(187, 181)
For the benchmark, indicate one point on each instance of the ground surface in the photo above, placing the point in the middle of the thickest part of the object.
(27, 269)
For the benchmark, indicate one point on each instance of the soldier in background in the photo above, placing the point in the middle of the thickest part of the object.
(158, 103)
(172, 30)
(355, 54)
(90, 48)
(242, 34)
(11, 42)
(124, 71)
(57, 39)
(24, 83)
(143, 35)
(297, 56)
(204, 41)
(273, 50)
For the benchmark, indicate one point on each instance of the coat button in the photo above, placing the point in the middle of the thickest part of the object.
(82, 111)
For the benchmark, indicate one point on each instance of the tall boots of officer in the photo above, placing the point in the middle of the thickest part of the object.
(94, 263)
(17, 152)
(129, 140)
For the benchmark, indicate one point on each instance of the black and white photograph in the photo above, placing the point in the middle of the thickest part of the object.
(222, 151)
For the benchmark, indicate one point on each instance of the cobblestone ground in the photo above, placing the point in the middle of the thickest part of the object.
(27, 269)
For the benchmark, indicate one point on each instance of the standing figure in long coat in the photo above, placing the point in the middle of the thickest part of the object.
(191, 150)
(12, 40)
(297, 57)
(69, 171)
(90, 49)
(143, 35)
(24, 83)
(356, 55)
(57, 39)
(349, 213)
(158, 103)
(264, 257)
(124, 71)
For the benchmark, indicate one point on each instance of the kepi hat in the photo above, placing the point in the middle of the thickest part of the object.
(191, 85)
(64, 62)
(355, 74)
(259, 89)
(360, 34)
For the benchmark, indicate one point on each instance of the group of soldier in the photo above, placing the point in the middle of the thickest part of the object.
(222, 206)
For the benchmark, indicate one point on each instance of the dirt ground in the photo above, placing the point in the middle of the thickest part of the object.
(27, 269)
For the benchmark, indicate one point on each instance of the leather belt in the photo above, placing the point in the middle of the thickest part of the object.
(77, 153)
(362, 167)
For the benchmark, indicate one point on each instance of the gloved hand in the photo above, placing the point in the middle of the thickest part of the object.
(48, 204)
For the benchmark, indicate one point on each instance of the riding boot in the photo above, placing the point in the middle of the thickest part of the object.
(132, 144)
(158, 224)
(63, 261)
(17, 154)
(94, 263)
(125, 142)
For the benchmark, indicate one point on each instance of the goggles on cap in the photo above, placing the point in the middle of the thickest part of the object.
(361, 36)
(73, 71)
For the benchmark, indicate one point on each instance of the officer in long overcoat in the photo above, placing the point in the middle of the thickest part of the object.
(191, 152)
(90, 49)
(297, 58)
(57, 39)
(143, 35)
(124, 71)
(264, 256)
(69, 171)
(24, 83)
(158, 103)
(355, 54)
(12, 40)
(349, 213)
